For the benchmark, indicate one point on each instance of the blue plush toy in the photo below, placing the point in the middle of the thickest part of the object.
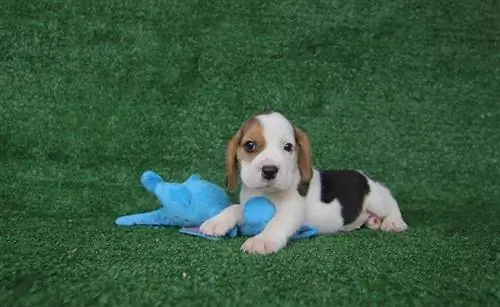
(189, 204)
(185, 204)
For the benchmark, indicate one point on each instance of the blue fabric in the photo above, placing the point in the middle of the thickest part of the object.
(190, 203)
(185, 204)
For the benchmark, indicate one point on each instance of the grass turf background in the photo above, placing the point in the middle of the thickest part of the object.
(95, 92)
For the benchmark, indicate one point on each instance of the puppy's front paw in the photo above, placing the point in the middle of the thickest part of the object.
(263, 245)
(218, 225)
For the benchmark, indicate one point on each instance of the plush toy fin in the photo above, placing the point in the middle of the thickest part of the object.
(153, 218)
(194, 177)
(195, 231)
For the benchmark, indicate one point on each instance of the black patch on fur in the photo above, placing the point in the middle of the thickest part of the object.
(349, 187)
(303, 188)
(369, 175)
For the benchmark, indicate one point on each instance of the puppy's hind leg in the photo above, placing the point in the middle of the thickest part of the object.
(383, 207)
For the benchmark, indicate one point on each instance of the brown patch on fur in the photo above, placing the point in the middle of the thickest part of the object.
(253, 133)
(251, 130)
(304, 154)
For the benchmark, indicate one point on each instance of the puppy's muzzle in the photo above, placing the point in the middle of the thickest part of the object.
(269, 172)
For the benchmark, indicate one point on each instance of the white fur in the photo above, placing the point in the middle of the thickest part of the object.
(380, 209)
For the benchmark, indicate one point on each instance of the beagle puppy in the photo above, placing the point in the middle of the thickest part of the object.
(272, 158)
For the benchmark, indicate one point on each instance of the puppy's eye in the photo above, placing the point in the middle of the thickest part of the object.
(249, 146)
(288, 147)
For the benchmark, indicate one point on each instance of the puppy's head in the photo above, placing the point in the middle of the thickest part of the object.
(268, 151)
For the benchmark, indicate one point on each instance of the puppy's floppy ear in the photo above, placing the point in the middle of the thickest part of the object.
(231, 161)
(304, 154)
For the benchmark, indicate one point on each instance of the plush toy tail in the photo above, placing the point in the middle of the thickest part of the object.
(153, 218)
(150, 180)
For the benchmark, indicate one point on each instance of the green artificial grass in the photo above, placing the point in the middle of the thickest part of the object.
(93, 93)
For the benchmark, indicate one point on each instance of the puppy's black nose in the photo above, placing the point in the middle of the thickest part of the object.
(269, 172)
